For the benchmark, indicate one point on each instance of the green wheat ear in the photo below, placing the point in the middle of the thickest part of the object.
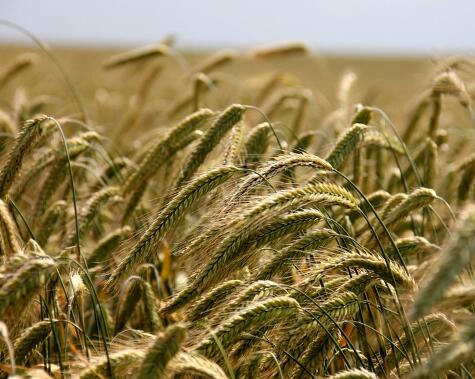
(136, 55)
(193, 191)
(30, 339)
(268, 311)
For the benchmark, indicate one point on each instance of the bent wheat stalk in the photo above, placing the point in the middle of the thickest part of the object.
(169, 216)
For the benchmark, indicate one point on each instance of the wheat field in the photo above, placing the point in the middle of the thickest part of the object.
(264, 213)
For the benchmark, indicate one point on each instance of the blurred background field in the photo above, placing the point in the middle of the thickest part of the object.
(384, 81)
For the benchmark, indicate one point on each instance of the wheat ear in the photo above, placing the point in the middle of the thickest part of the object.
(265, 312)
(204, 306)
(24, 143)
(225, 121)
(169, 216)
(165, 347)
(195, 365)
(120, 362)
(137, 55)
(30, 339)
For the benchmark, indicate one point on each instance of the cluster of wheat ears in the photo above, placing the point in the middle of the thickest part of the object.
(244, 242)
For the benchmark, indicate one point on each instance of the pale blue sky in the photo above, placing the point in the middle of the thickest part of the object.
(356, 26)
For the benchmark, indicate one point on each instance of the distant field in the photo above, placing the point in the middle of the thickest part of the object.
(379, 78)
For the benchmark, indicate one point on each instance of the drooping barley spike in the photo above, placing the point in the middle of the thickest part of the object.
(158, 153)
(445, 360)
(8, 230)
(375, 138)
(24, 142)
(26, 281)
(255, 365)
(306, 286)
(338, 307)
(417, 199)
(466, 179)
(249, 293)
(151, 311)
(17, 65)
(346, 144)
(279, 51)
(53, 181)
(298, 249)
(392, 203)
(449, 83)
(256, 143)
(120, 362)
(107, 245)
(302, 144)
(136, 55)
(362, 115)
(452, 261)
(358, 284)
(278, 165)
(232, 244)
(8, 129)
(258, 314)
(30, 339)
(204, 306)
(131, 295)
(53, 216)
(170, 215)
(344, 306)
(90, 210)
(376, 199)
(133, 202)
(437, 324)
(225, 121)
(165, 347)
(412, 246)
(290, 223)
(58, 171)
(195, 365)
(50, 157)
(392, 274)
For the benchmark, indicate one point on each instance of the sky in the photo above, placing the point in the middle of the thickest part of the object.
(339, 26)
